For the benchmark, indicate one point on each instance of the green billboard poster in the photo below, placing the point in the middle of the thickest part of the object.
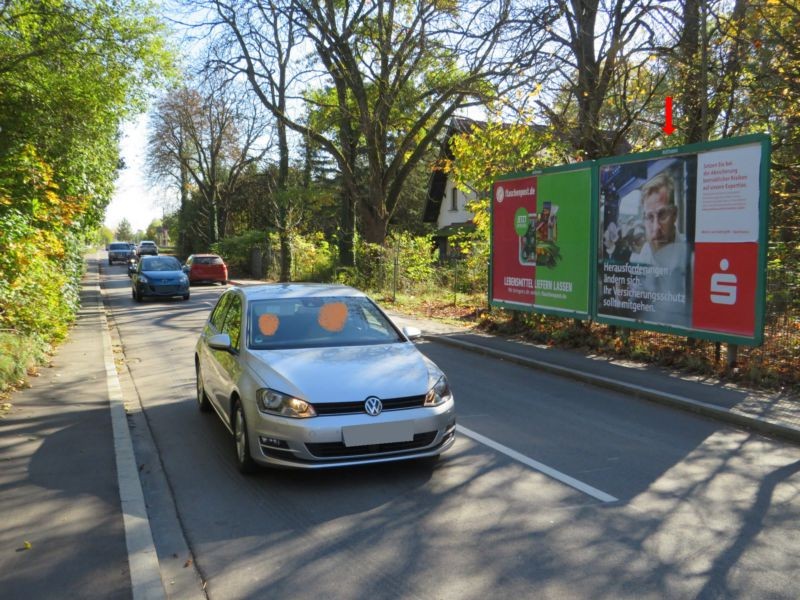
(542, 241)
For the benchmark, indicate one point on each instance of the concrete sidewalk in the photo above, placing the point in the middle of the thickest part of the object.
(71, 525)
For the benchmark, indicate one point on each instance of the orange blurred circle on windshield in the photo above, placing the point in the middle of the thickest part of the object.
(333, 316)
(268, 324)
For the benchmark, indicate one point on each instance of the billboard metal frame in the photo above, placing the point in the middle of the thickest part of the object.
(595, 259)
(763, 210)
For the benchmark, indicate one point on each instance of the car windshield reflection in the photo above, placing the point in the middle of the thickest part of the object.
(317, 322)
(166, 263)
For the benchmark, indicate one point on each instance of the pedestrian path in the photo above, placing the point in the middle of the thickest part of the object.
(61, 520)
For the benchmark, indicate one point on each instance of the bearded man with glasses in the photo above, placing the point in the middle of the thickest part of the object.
(666, 249)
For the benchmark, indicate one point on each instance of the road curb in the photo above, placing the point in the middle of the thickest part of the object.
(145, 572)
(767, 427)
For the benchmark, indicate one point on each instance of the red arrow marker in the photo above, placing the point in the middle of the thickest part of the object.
(668, 128)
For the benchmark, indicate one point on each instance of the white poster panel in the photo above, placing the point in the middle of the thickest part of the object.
(727, 195)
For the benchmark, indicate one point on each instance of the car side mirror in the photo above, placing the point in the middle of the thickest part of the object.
(185, 268)
(220, 341)
(412, 333)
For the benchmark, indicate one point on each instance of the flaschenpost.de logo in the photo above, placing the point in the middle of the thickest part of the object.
(500, 194)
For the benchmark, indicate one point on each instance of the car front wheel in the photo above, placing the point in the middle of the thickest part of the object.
(244, 461)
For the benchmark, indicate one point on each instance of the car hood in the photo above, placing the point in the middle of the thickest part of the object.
(346, 374)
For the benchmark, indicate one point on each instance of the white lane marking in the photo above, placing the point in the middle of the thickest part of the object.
(534, 464)
(145, 571)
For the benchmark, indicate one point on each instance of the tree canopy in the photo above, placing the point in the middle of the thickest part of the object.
(70, 73)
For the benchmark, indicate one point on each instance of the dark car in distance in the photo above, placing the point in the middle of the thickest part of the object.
(119, 252)
(159, 276)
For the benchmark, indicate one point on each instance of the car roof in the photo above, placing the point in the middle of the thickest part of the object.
(206, 255)
(147, 242)
(297, 290)
(146, 260)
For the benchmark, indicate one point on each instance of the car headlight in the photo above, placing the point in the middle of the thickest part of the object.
(143, 279)
(184, 279)
(276, 403)
(439, 393)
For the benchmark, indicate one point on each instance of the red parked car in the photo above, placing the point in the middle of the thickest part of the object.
(206, 268)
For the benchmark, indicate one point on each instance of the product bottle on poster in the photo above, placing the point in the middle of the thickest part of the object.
(543, 228)
(527, 243)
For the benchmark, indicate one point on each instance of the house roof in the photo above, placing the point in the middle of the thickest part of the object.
(438, 179)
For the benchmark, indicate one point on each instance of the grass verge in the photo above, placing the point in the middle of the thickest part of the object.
(19, 356)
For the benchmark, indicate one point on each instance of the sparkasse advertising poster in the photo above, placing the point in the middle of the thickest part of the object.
(682, 239)
(542, 241)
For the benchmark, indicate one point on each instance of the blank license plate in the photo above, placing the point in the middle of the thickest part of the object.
(379, 433)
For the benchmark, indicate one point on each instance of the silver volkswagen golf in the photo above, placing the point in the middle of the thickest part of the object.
(314, 376)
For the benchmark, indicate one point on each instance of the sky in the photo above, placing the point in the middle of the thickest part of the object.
(134, 199)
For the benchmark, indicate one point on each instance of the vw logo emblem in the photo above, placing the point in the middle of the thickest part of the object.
(373, 406)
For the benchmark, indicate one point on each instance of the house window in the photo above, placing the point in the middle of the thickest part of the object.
(454, 199)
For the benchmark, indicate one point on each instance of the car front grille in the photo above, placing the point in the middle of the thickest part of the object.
(349, 408)
(166, 289)
(338, 449)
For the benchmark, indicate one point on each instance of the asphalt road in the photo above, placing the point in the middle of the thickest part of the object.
(684, 507)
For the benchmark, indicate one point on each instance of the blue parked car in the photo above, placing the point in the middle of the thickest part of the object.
(159, 276)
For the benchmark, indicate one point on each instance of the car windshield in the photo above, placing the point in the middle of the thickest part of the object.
(208, 260)
(162, 263)
(313, 322)
(118, 247)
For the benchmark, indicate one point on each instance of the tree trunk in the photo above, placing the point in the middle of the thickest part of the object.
(347, 229)
(286, 255)
(213, 220)
(185, 247)
(691, 69)
(588, 92)
(374, 219)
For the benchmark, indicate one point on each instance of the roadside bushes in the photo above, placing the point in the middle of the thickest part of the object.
(404, 260)
(313, 257)
(237, 250)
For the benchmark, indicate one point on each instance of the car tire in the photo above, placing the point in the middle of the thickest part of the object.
(137, 296)
(241, 441)
(202, 398)
(110, 262)
(186, 297)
